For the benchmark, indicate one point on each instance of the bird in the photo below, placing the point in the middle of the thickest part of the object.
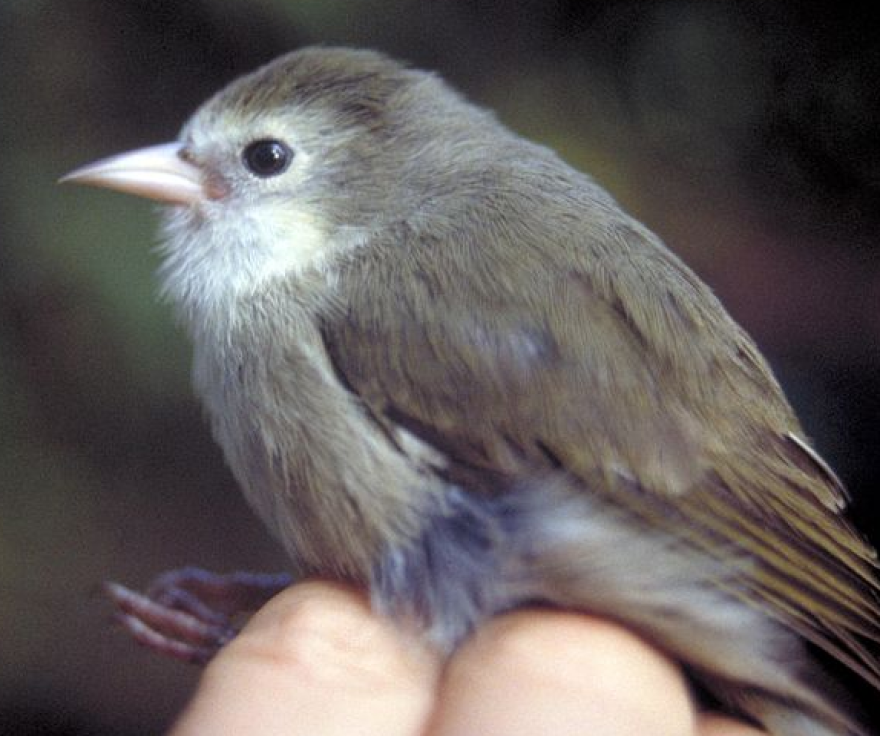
(447, 367)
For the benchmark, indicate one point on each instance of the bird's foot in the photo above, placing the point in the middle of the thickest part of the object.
(189, 614)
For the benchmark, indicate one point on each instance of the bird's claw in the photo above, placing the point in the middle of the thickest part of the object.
(188, 614)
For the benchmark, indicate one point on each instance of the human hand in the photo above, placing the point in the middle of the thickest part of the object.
(316, 660)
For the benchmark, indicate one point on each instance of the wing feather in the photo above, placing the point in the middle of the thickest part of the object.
(601, 354)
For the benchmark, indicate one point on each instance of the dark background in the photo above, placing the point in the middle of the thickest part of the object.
(745, 133)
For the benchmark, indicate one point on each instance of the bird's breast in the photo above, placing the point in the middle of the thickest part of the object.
(326, 479)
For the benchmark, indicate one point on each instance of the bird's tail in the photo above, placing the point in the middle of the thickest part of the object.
(590, 553)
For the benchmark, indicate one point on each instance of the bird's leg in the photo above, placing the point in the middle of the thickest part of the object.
(189, 614)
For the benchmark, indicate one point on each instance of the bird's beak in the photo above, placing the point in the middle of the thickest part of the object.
(157, 172)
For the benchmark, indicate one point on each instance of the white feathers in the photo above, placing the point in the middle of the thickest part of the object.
(212, 258)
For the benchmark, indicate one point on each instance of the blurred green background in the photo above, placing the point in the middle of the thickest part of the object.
(745, 133)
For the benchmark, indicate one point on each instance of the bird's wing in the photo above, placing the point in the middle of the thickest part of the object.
(605, 357)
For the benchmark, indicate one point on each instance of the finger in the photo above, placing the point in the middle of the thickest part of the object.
(315, 660)
(558, 673)
(714, 725)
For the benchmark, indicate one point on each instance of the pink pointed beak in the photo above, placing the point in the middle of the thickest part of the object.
(158, 172)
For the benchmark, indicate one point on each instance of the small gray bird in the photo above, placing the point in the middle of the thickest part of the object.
(445, 366)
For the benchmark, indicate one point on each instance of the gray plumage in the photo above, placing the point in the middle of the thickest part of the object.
(445, 365)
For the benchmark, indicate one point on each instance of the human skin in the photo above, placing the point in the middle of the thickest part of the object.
(316, 660)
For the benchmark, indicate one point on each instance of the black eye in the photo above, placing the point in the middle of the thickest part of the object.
(267, 157)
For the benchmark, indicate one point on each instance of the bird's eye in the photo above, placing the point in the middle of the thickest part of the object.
(267, 157)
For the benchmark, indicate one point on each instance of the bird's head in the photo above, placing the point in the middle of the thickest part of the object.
(293, 164)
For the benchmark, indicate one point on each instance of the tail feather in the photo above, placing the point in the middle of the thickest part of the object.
(585, 553)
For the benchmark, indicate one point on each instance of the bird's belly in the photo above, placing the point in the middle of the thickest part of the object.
(328, 482)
